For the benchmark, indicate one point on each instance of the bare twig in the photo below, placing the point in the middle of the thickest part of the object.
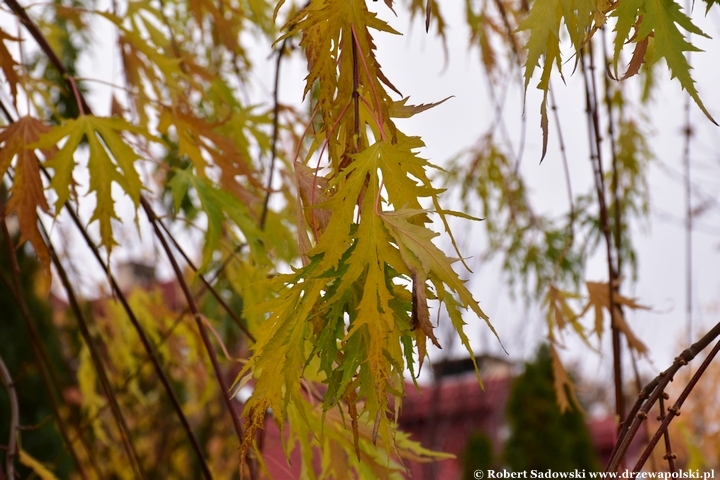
(652, 392)
(669, 455)
(595, 138)
(14, 420)
(275, 133)
(96, 360)
(200, 325)
(674, 411)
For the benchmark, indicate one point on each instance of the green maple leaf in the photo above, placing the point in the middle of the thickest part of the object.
(217, 204)
(661, 18)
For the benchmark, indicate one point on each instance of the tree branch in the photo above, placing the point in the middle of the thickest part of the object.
(650, 394)
(674, 411)
(200, 325)
(14, 419)
(97, 361)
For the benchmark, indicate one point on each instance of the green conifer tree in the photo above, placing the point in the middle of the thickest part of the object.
(541, 437)
(478, 455)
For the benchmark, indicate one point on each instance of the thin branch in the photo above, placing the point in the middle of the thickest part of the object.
(96, 360)
(48, 51)
(275, 133)
(669, 455)
(650, 394)
(45, 47)
(563, 154)
(200, 325)
(207, 285)
(14, 424)
(674, 411)
(163, 338)
(688, 132)
(46, 372)
(147, 344)
(143, 337)
(596, 157)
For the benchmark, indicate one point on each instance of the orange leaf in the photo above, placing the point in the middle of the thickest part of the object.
(638, 58)
(599, 294)
(7, 63)
(26, 193)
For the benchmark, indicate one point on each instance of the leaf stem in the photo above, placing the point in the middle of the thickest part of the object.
(370, 81)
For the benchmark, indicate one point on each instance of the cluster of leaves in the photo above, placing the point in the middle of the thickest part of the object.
(324, 347)
(333, 337)
(356, 315)
(545, 257)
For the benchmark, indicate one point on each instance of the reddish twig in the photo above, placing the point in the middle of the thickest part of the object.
(669, 455)
(651, 393)
(674, 411)
(200, 325)
(12, 447)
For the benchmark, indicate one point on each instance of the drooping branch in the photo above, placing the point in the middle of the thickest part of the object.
(674, 411)
(85, 108)
(595, 139)
(219, 375)
(41, 356)
(150, 349)
(96, 360)
(12, 448)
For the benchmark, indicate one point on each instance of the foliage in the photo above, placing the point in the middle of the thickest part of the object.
(319, 263)
(541, 435)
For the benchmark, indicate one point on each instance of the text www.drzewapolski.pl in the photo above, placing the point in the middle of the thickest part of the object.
(582, 474)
